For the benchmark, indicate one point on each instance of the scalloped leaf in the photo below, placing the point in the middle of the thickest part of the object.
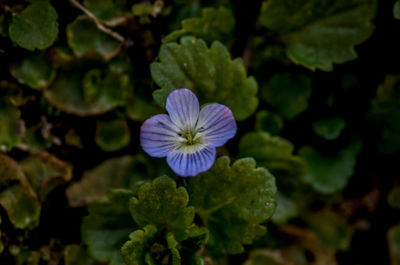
(287, 93)
(269, 122)
(17, 196)
(112, 135)
(85, 39)
(111, 12)
(163, 205)
(35, 71)
(107, 227)
(329, 173)
(36, 27)
(240, 193)
(318, 34)
(214, 24)
(94, 93)
(209, 72)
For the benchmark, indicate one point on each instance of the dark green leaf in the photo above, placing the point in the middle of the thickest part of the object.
(86, 39)
(329, 128)
(12, 128)
(163, 205)
(268, 122)
(35, 71)
(396, 10)
(242, 194)
(215, 24)
(318, 34)
(330, 173)
(287, 93)
(393, 237)
(107, 227)
(112, 135)
(76, 255)
(209, 72)
(36, 27)
(394, 198)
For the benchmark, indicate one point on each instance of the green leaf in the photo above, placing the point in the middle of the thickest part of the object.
(36, 27)
(85, 38)
(329, 173)
(393, 237)
(76, 255)
(275, 154)
(45, 173)
(385, 115)
(120, 172)
(17, 196)
(287, 93)
(332, 229)
(268, 122)
(112, 135)
(95, 93)
(318, 34)
(242, 194)
(111, 12)
(107, 227)
(209, 72)
(12, 128)
(396, 10)
(285, 209)
(140, 241)
(139, 109)
(215, 24)
(394, 198)
(329, 128)
(163, 205)
(35, 71)
(5, 20)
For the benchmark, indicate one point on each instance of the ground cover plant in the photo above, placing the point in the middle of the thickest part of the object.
(195, 132)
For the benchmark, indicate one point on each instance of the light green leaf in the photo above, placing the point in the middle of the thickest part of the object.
(285, 209)
(318, 34)
(34, 70)
(107, 227)
(95, 93)
(17, 196)
(112, 135)
(12, 128)
(242, 194)
(393, 237)
(163, 205)
(329, 128)
(86, 39)
(36, 27)
(214, 24)
(209, 72)
(328, 173)
(287, 93)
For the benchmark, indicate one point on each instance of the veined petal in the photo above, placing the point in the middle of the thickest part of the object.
(183, 108)
(189, 161)
(158, 135)
(216, 124)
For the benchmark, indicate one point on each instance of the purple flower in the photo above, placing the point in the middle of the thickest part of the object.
(188, 136)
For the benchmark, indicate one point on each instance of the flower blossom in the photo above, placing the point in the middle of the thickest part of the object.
(188, 136)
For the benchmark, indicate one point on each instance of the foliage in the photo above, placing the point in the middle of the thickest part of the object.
(310, 177)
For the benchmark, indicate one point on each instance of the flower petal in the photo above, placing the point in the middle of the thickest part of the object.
(189, 161)
(183, 108)
(217, 124)
(158, 135)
